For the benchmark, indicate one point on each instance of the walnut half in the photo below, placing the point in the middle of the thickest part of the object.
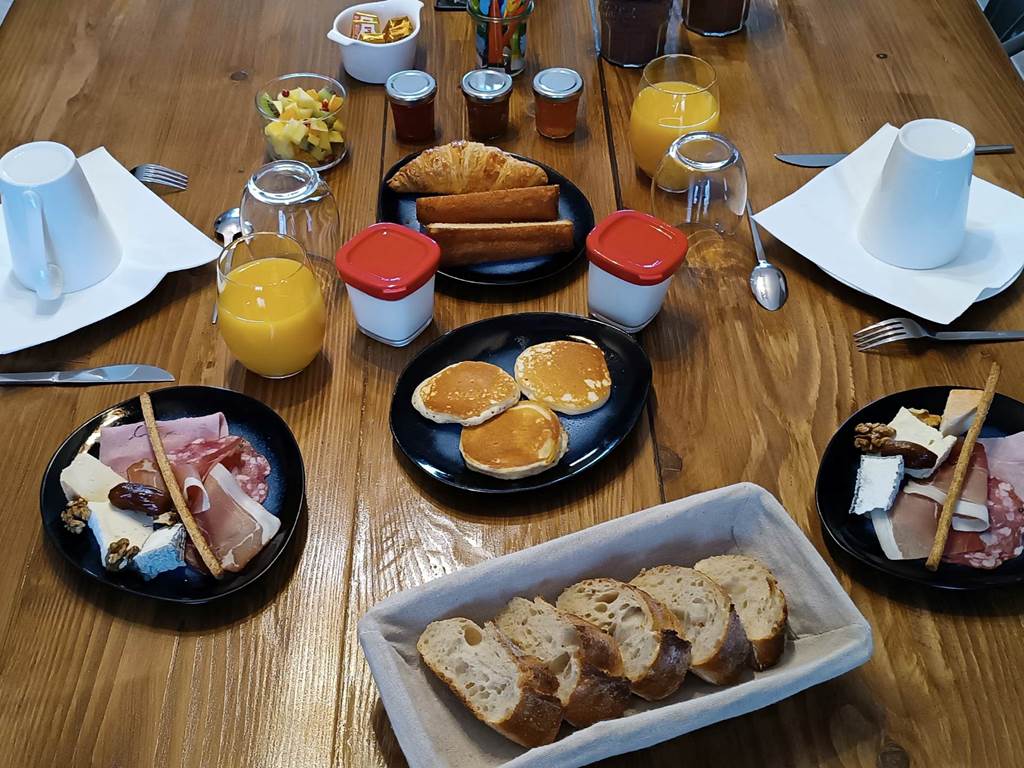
(119, 554)
(75, 515)
(872, 435)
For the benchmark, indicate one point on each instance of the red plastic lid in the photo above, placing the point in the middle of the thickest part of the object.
(636, 247)
(388, 261)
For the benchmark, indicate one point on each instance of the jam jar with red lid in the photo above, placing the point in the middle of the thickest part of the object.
(411, 94)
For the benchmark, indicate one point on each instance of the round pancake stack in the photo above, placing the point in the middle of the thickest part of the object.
(567, 376)
(522, 441)
(466, 393)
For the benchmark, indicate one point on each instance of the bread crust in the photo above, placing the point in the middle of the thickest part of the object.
(500, 205)
(668, 671)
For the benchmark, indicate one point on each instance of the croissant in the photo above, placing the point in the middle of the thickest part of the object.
(465, 166)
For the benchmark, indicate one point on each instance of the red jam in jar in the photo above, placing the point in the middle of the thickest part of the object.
(556, 97)
(411, 94)
(487, 93)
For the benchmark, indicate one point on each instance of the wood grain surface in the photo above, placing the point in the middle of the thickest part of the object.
(275, 677)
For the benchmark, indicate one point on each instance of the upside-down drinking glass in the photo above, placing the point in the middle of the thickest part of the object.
(701, 184)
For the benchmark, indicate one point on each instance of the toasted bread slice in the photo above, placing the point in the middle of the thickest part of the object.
(486, 242)
(655, 655)
(508, 690)
(759, 602)
(585, 660)
(718, 645)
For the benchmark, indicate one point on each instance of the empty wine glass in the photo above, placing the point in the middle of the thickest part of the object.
(701, 184)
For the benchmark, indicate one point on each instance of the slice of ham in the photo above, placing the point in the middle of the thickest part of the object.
(1006, 459)
(971, 512)
(126, 444)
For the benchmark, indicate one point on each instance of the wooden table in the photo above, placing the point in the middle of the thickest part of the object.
(275, 677)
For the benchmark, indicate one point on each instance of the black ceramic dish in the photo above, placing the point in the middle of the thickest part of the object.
(855, 535)
(572, 205)
(247, 417)
(434, 448)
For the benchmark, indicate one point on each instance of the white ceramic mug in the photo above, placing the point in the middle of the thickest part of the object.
(916, 217)
(376, 62)
(59, 239)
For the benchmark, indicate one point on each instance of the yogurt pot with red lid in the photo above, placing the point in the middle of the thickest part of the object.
(633, 257)
(389, 273)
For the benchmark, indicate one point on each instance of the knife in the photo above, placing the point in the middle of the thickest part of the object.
(107, 374)
(826, 160)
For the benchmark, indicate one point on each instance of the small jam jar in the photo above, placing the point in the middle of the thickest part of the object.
(389, 275)
(411, 95)
(487, 93)
(556, 98)
(633, 257)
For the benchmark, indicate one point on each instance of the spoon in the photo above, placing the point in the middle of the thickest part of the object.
(228, 226)
(766, 281)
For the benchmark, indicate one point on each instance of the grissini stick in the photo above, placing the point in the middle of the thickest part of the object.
(956, 486)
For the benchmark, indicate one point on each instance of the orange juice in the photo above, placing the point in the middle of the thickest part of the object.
(272, 315)
(664, 112)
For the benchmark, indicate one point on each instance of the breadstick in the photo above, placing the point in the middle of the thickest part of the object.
(956, 486)
(171, 482)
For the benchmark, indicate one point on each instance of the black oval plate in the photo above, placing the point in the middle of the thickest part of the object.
(855, 535)
(247, 417)
(434, 448)
(572, 204)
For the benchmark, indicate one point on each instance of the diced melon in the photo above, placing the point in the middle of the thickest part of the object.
(317, 125)
(275, 129)
(303, 113)
(282, 147)
(294, 131)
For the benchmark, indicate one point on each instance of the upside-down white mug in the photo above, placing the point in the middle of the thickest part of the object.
(59, 239)
(916, 217)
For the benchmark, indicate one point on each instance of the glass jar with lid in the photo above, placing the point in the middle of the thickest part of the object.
(487, 93)
(411, 94)
(557, 96)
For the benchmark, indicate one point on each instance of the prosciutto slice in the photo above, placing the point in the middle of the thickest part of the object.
(126, 444)
(971, 511)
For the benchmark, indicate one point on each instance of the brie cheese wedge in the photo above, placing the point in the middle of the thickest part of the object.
(88, 478)
(163, 551)
(108, 524)
(911, 429)
(878, 482)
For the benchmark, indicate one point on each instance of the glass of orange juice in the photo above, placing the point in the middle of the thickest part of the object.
(678, 95)
(272, 313)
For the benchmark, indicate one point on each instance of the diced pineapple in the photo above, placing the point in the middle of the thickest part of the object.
(303, 99)
(313, 93)
(290, 112)
(294, 131)
(303, 113)
(319, 153)
(317, 125)
(282, 148)
(275, 129)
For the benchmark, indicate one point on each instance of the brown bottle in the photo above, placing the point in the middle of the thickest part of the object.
(633, 31)
(715, 18)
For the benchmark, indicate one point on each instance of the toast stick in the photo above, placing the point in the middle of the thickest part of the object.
(956, 486)
(180, 505)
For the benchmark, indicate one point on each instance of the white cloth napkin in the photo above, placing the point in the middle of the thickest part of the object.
(819, 221)
(154, 238)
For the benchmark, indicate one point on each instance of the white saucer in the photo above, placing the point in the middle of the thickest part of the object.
(154, 238)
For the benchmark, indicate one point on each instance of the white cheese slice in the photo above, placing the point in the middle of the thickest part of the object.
(163, 551)
(967, 515)
(878, 482)
(88, 478)
(108, 524)
(911, 429)
(961, 408)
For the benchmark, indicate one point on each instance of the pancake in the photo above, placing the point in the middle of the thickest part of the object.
(466, 393)
(567, 376)
(524, 440)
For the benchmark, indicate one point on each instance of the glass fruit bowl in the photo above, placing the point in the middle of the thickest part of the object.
(304, 119)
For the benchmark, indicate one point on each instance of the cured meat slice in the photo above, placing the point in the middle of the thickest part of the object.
(146, 472)
(971, 512)
(1006, 459)
(126, 444)
(251, 472)
(1002, 541)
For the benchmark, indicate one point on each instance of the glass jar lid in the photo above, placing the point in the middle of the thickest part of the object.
(557, 83)
(486, 84)
(410, 86)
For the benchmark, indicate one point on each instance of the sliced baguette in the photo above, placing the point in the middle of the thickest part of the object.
(759, 602)
(654, 654)
(585, 660)
(718, 645)
(508, 690)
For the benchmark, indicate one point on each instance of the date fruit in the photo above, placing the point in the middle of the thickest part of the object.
(140, 498)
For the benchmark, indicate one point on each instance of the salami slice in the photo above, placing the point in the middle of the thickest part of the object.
(1002, 540)
(251, 472)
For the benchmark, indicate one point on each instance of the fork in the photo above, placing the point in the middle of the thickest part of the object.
(903, 328)
(152, 173)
